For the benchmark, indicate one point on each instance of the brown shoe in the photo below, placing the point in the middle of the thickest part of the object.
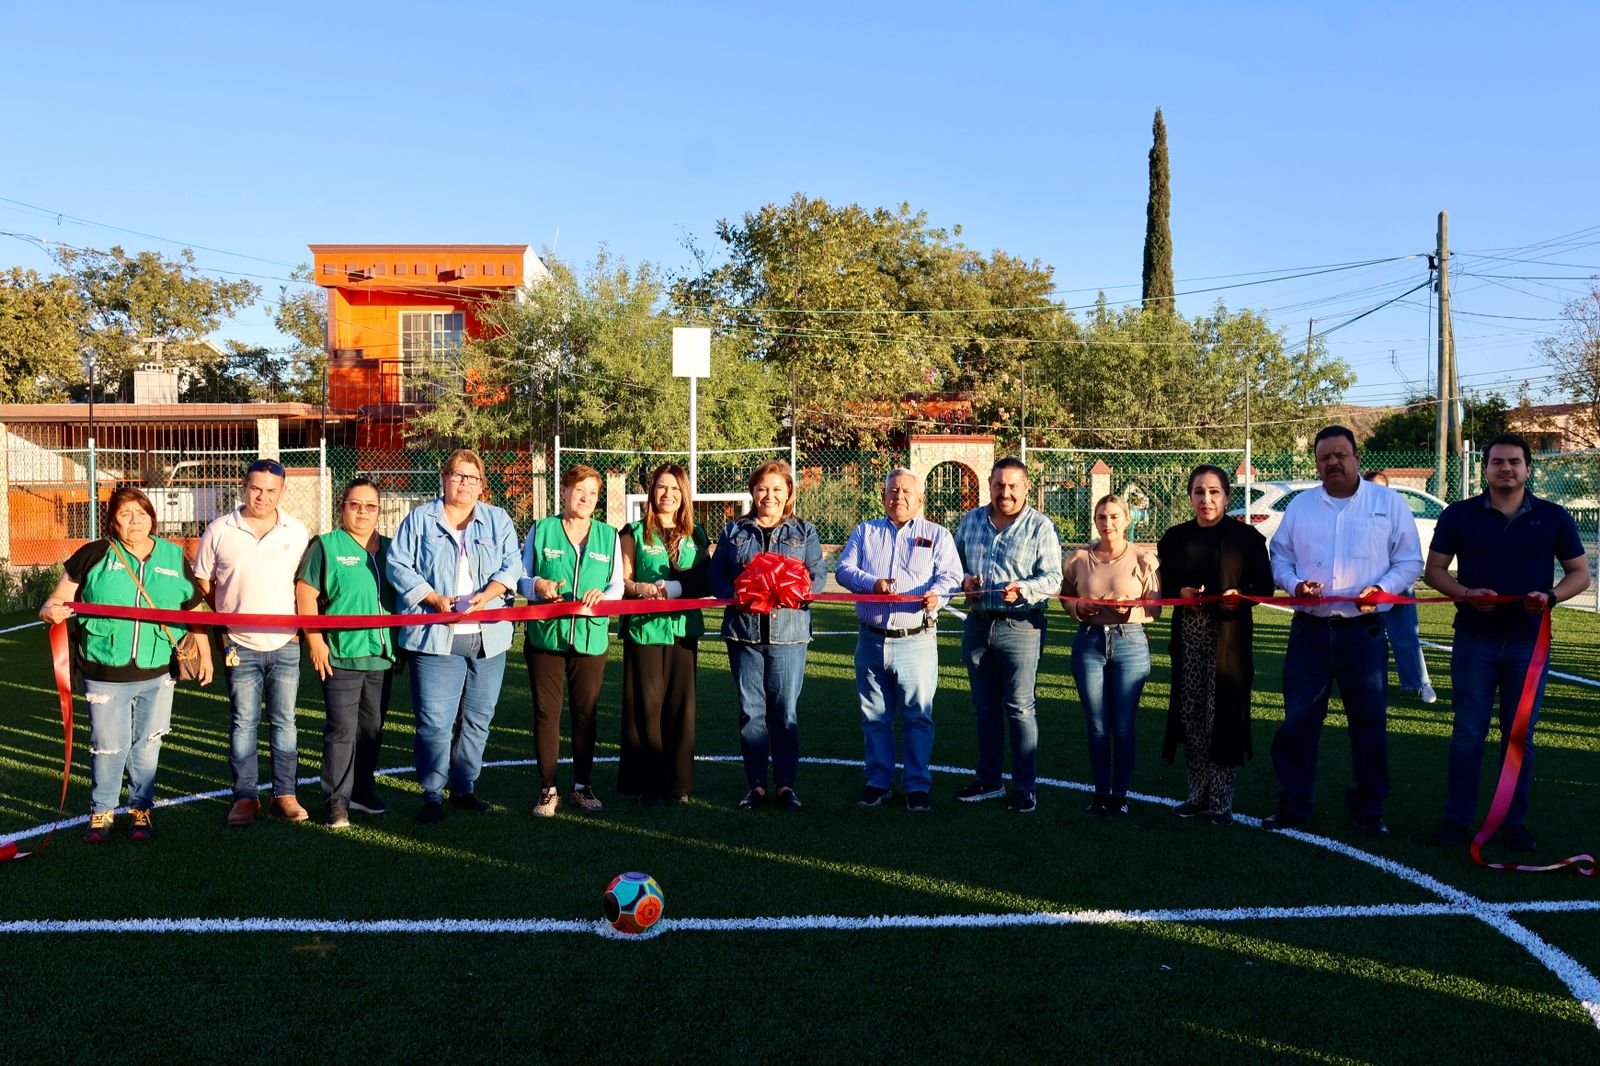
(243, 812)
(288, 808)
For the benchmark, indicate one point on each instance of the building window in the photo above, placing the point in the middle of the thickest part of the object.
(424, 337)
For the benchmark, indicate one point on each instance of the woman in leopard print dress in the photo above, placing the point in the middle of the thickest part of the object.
(1212, 662)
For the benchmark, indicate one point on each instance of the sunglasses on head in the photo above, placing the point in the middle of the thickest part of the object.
(265, 466)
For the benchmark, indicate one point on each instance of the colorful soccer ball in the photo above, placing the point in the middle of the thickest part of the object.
(633, 902)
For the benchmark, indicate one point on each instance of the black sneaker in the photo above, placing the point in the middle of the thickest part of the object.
(1372, 825)
(1021, 802)
(1517, 838)
(432, 812)
(1282, 819)
(787, 800)
(872, 796)
(1449, 834)
(977, 792)
(470, 801)
(1220, 817)
(918, 801)
(372, 804)
(1189, 810)
(1117, 807)
(756, 797)
(337, 816)
(1097, 807)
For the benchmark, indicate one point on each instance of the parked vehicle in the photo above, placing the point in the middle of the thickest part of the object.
(1270, 498)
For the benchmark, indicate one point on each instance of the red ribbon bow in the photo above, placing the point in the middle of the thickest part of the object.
(772, 580)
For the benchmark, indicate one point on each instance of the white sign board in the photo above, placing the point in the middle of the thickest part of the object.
(691, 352)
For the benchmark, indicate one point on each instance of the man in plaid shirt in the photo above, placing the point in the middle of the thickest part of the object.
(1011, 552)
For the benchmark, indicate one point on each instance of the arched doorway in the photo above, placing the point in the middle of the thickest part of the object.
(952, 492)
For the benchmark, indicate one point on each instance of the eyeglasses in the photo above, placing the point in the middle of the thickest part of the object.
(363, 508)
(264, 466)
(465, 479)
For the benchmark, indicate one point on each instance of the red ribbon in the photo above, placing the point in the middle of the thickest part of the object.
(771, 580)
(61, 659)
(1511, 768)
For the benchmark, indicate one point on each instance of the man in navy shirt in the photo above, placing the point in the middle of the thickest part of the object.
(1505, 542)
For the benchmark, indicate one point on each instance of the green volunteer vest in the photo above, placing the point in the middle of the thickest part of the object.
(118, 642)
(555, 558)
(351, 586)
(651, 563)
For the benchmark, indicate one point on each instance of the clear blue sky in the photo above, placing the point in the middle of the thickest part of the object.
(1300, 135)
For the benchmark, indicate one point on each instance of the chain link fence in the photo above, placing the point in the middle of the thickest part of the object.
(55, 487)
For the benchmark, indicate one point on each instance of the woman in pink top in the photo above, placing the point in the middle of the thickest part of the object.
(1110, 653)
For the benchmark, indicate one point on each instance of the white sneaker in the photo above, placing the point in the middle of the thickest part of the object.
(549, 800)
(1426, 694)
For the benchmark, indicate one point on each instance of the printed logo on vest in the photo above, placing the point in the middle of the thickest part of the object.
(554, 553)
(163, 571)
(348, 560)
(597, 557)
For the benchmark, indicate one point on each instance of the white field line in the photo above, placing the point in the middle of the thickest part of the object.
(1582, 984)
(805, 922)
(25, 625)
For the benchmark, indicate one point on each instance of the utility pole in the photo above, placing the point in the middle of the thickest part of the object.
(1447, 422)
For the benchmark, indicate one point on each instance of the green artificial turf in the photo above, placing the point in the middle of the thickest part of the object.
(1370, 989)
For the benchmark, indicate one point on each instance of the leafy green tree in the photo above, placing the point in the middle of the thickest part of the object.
(859, 312)
(1158, 287)
(597, 347)
(1137, 378)
(1574, 352)
(1411, 429)
(39, 338)
(301, 314)
(134, 304)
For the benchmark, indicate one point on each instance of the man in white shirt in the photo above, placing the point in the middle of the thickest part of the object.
(1347, 538)
(246, 563)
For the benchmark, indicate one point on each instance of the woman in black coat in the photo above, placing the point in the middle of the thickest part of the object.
(1212, 664)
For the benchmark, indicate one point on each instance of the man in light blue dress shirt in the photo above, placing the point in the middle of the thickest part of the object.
(1348, 537)
(1011, 556)
(897, 651)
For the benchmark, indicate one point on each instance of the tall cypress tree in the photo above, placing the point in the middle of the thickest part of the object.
(1158, 290)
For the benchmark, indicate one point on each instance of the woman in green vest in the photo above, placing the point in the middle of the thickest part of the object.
(664, 556)
(570, 559)
(342, 573)
(127, 666)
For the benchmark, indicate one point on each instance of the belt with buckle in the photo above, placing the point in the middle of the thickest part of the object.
(997, 616)
(1340, 621)
(896, 634)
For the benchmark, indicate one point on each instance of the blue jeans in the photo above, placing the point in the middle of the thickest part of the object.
(1400, 624)
(1482, 667)
(896, 678)
(1357, 657)
(1110, 665)
(126, 723)
(1002, 660)
(768, 678)
(454, 697)
(274, 676)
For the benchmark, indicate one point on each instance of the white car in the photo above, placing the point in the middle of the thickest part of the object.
(1270, 498)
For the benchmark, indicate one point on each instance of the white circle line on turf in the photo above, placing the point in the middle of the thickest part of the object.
(1582, 984)
(25, 625)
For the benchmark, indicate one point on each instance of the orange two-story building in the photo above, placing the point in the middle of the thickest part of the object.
(392, 308)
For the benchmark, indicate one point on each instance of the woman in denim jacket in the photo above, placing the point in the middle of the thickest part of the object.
(458, 554)
(767, 652)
